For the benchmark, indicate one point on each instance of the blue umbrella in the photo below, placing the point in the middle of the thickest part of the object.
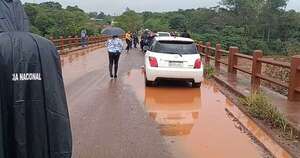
(113, 31)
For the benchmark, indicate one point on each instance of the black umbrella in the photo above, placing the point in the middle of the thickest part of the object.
(113, 31)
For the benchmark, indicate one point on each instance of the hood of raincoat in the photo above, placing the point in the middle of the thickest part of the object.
(34, 118)
(12, 16)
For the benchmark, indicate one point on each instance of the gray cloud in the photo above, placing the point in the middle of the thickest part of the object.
(118, 6)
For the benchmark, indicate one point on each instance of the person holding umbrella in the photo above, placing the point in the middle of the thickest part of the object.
(114, 47)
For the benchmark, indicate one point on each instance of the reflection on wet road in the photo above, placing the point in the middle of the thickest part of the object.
(193, 122)
(121, 118)
(175, 111)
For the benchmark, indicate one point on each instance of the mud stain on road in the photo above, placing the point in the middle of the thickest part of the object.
(195, 122)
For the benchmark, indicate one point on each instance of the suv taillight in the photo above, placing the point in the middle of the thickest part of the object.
(153, 62)
(197, 64)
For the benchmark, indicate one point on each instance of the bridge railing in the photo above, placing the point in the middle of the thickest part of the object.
(257, 59)
(70, 44)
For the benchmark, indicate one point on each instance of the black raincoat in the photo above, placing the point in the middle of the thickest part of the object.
(34, 119)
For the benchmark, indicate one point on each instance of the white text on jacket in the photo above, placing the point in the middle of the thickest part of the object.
(26, 77)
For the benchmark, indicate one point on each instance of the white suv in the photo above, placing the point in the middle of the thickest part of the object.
(173, 58)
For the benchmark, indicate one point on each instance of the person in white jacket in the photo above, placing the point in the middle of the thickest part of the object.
(114, 47)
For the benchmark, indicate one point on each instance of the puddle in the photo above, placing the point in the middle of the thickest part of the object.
(195, 122)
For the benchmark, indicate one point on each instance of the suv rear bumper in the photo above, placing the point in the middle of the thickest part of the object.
(195, 75)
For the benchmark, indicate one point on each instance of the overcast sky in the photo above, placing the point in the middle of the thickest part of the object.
(118, 6)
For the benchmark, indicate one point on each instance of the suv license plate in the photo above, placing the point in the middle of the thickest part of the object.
(175, 64)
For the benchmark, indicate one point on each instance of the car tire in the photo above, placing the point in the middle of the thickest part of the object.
(196, 85)
(149, 83)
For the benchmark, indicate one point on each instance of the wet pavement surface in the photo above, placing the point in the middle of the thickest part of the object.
(123, 119)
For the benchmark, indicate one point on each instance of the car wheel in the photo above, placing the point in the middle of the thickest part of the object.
(149, 83)
(196, 85)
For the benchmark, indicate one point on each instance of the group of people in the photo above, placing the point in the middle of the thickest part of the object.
(132, 40)
(147, 38)
(115, 46)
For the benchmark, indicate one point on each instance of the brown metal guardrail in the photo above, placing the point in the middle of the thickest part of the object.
(257, 60)
(70, 44)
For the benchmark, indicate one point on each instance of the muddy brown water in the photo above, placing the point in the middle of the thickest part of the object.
(121, 118)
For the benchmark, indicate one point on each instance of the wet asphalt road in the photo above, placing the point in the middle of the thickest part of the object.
(123, 119)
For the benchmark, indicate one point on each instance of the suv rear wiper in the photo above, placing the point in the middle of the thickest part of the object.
(173, 53)
(177, 53)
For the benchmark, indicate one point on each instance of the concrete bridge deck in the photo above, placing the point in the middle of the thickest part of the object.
(122, 118)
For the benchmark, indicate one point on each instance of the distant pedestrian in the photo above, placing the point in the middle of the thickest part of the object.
(83, 38)
(115, 47)
(173, 34)
(150, 38)
(185, 34)
(143, 39)
(128, 40)
(135, 40)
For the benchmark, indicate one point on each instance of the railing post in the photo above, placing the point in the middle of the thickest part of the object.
(294, 86)
(207, 52)
(73, 41)
(256, 70)
(218, 57)
(98, 40)
(232, 59)
(69, 42)
(199, 46)
(76, 41)
(88, 40)
(202, 47)
(62, 43)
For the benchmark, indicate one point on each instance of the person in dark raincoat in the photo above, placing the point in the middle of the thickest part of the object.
(185, 34)
(34, 119)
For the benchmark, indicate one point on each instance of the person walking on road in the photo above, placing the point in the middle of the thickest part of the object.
(115, 47)
(135, 40)
(128, 40)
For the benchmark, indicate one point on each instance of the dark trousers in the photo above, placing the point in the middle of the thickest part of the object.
(128, 44)
(135, 44)
(113, 61)
(142, 44)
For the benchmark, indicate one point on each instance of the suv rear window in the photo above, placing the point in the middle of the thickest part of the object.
(163, 34)
(175, 47)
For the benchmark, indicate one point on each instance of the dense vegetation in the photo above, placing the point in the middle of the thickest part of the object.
(248, 24)
(51, 19)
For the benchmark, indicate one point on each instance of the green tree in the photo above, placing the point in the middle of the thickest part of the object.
(74, 9)
(51, 5)
(50, 19)
(178, 22)
(93, 15)
(270, 17)
(129, 21)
